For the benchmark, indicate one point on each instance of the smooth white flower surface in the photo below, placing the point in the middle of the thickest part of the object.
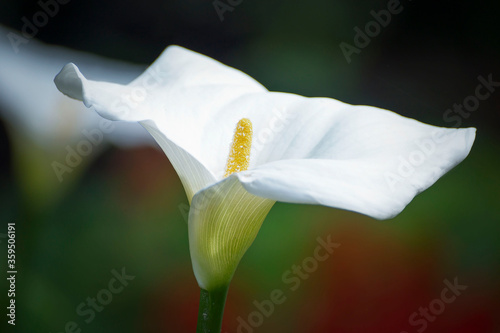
(305, 150)
(35, 108)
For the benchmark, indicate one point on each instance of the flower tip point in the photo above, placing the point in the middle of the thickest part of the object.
(69, 81)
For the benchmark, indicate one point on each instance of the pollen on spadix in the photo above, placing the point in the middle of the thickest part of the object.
(239, 154)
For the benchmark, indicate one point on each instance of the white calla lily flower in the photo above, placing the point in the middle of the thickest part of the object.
(286, 148)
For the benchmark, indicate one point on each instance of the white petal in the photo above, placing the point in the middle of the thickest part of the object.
(177, 100)
(305, 150)
(373, 170)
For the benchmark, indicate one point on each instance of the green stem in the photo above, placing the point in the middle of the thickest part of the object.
(211, 310)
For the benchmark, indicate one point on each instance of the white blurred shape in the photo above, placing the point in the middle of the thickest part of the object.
(34, 107)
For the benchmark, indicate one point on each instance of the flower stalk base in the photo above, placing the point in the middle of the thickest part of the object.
(211, 310)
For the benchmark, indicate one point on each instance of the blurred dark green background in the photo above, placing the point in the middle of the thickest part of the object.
(123, 211)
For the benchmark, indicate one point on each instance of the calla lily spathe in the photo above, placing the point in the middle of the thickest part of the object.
(306, 150)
